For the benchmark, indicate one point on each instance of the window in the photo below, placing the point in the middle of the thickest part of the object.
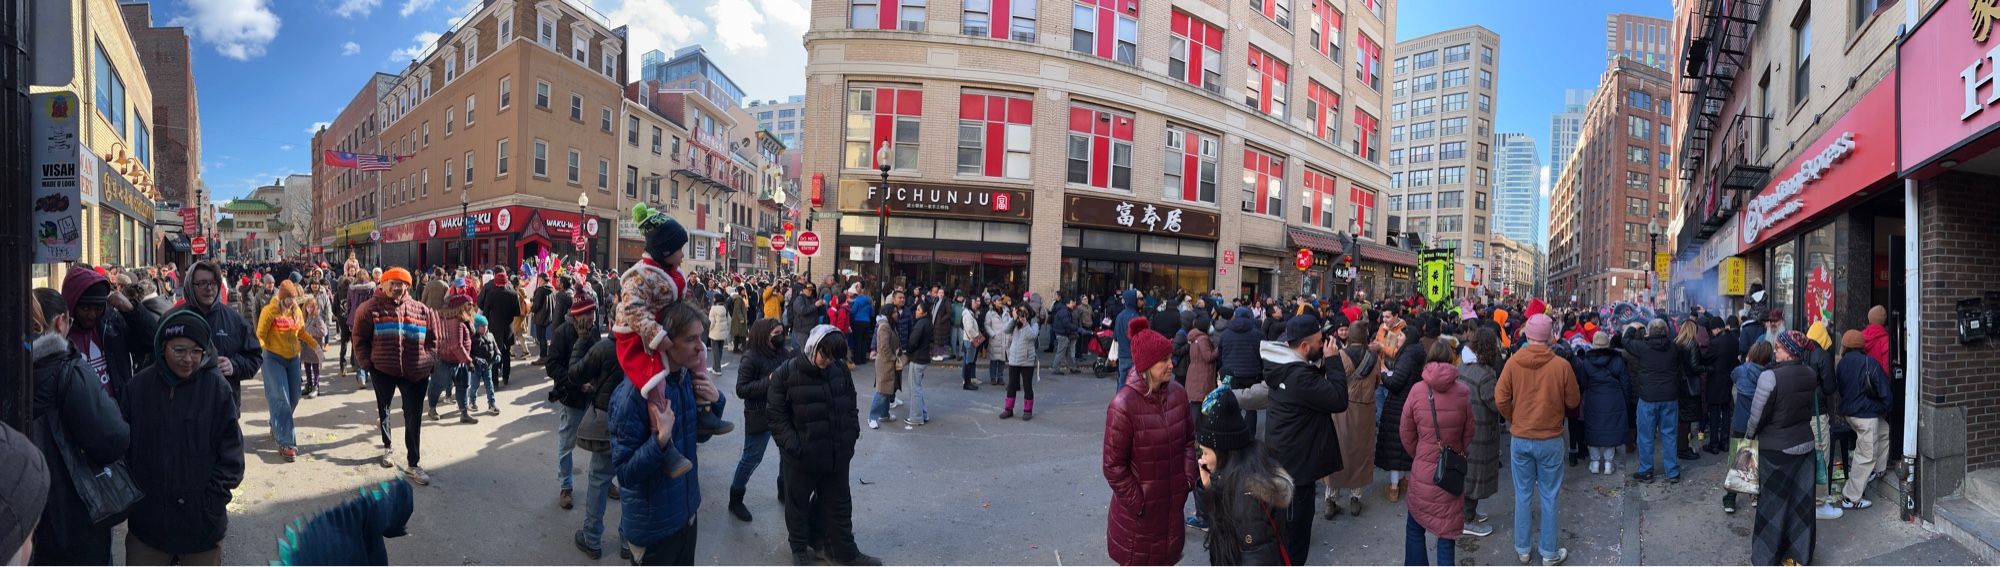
(1457, 53)
(1396, 134)
(1425, 60)
(545, 27)
(1395, 157)
(865, 14)
(1364, 207)
(1479, 197)
(1423, 107)
(994, 135)
(576, 107)
(1485, 103)
(1636, 180)
(1398, 111)
(468, 163)
(1402, 88)
(1194, 52)
(1421, 154)
(1100, 148)
(447, 175)
(110, 92)
(1486, 54)
(910, 15)
(1367, 136)
(450, 68)
(575, 166)
(1638, 127)
(1325, 29)
(1452, 126)
(631, 182)
(1324, 106)
(1277, 10)
(1454, 102)
(1635, 206)
(1264, 87)
(1419, 201)
(470, 109)
(1635, 259)
(656, 143)
(1479, 248)
(1485, 79)
(1639, 99)
(541, 94)
(1419, 178)
(883, 115)
(610, 64)
(603, 175)
(1191, 165)
(993, 18)
(1485, 128)
(1637, 154)
(1666, 159)
(1396, 182)
(1423, 84)
(1452, 150)
(1089, 24)
(1764, 102)
(541, 159)
(1263, 182)
(977, 21)
(506, 94)
(506, 27)
(632, 131)
(604, 119)
(501, 168)
(425, 187)
(142, 141)
(1450, 223)
(1666, 133)
(447, 121)
(1802, 55)
(1318, 206)
(1453, 78)
(1865, 9)
(579, 47)
(1423, 130)
(1635, 233)
(1368, 62)
(1450, 199)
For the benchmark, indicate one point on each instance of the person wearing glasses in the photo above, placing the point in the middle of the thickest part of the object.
(237, 353)
(186, 452)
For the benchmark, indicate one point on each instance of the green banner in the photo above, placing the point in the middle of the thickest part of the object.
(1439, 268)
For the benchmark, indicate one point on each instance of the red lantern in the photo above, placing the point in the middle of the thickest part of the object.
(1304, 260)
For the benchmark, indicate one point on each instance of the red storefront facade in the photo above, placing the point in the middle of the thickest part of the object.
(502, 236)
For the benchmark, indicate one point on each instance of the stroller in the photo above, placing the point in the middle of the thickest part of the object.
(1104, 346)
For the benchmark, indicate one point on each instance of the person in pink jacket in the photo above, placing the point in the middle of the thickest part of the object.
(1437, 415)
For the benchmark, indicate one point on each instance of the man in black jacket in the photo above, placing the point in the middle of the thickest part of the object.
(815, 420)
(1304, 396)
(501, 304)
(572, 339)
(238, 356)
(1719, 389)
(187, 450)
(1659, 374)
(538, 321)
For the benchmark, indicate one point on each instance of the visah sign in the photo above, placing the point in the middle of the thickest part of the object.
(1784, 200)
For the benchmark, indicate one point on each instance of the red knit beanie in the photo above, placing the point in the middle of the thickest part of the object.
(1148, 347)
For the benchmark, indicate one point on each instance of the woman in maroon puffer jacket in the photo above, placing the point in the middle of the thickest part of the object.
(1149, 455)
(1432, 509)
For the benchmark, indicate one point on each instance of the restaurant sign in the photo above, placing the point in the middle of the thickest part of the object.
(931, 200)
(1141, 217)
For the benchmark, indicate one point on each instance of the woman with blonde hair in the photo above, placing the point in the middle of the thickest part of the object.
(281, 329)
(314, 307)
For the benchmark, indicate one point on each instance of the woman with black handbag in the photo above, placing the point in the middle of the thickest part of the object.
(1436, 429)
(69, 403)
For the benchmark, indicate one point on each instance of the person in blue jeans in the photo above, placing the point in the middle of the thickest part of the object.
(1660, 375)
(1535, 393)
(763, 354)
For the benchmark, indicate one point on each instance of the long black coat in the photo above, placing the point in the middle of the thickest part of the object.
(1606, 384)
(1390, 455)
(812, 414)
(1304, 398)
(501, 305)
(567, 349)
(186, 456)
(753, 374)
(66, 391)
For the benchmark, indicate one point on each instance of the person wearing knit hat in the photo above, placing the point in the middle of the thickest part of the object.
(24, 490)
(1536, 391)
(1875, 338)
(1148, 439)
(1780, 419)
(453, 373)
(485, 359)
(186, 439)
(1865, 398)
(1241, 481)
(1305, 394)
(814, 417)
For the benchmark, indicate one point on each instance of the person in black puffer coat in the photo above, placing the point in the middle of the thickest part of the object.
(1660, 372)
(1390, 455)
(1718, 391)
(598, 373)
(1236, 351)
(67, 392)
(813, 416)
(761, 358)
(186, 452)
(568, 345)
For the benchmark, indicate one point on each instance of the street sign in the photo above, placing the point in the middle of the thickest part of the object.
(777, 243)
(1304, 259)
(809, 243)
(55, 191)
(374, 235)
(199, 246)
(826, 215)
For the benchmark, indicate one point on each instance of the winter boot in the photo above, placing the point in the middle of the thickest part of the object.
(1007, 411)
(708, 422)
(736, 507)
(1028, 411)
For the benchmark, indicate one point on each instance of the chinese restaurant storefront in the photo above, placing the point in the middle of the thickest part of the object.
(501, 236)
(1161, 249)
(124, 221)
(961, 237)
(1384, 272)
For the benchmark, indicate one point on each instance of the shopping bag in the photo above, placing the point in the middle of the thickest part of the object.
(1742, 475)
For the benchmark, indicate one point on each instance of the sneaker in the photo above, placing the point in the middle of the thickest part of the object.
(1196, 522)
(492, 410)
(418, 477)
(388, 458)
(970, 386)
(803, 558)
(1644, 477)
(1478, 529)
(1594, 468)
(859, 559)
(914, 421)
(976, 382)
(874, 424)
(1562, 554)
(624, 552)
(1862, 504)
(893, 404)
(1729, 503)
(1688, 455)
(1524, 558)
(1827, 512)
(474, 408)
(289, 454)
(588, 551)
(1674, 479)
(433, 414)
(1481, 517)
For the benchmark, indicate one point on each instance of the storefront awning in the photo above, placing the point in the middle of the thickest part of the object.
(1315, 240)
(1388, 255)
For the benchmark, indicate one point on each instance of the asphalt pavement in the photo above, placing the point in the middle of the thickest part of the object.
(969, 488)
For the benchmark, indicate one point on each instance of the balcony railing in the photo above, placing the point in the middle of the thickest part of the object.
(1715, 50)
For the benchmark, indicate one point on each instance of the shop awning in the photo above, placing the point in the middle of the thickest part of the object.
(953, 258)
(1386, 254)
(911, 256)
(1315, 240)
(1005, 259)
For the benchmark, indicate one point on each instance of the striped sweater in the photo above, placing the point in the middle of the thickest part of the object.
(395, 337)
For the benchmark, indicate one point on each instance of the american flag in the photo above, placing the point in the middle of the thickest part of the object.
(363, 162)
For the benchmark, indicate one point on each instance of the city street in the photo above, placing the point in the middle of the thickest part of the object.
(966, 489)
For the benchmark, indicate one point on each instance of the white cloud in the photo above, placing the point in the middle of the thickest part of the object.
(350, 48)
(423, 41)
(239, 29)
(414, 6)
(787, 13)
(353, 8)
(313, 129)
(1544, 175)
(652, 24)
(285, 147)
(738, 25)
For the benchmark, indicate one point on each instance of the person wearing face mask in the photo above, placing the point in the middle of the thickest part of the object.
(1246, 489)
(766, 350)
(1148, 455)
(238, 355)
(187, 449)
(1305, 394)
(396, 343)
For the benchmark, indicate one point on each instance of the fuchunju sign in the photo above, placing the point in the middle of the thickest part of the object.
(1783, 201)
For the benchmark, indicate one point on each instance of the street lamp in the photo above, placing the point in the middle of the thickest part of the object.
(465, 216)
(582, 202)
(1653, 249)
(882, 156)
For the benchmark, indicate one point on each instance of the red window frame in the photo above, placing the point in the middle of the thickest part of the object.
(1259, 170)
(1200, 36)
(999, 19)
(1327, 22)
(1108, 12)
(1273, 75)
(892, 103)
(1367, 135)
(1319, 186)
(1363, 199)
(994, 111)
(1191, 161)
(1115, 129)
(1326, 111)
(1368, 61)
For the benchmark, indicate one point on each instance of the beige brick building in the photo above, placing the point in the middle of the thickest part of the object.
(514, 116)
(345, 206)
(117, 110)
(1079, 147)
(1441, 143)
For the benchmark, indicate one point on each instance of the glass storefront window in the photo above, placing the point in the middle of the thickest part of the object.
(1784, 281)
(1005, 232)
(1198, 248)
(912, 228)
(959, 230)
(1151, 244)
(1818, 275)
(1072, 237)
(858, 225)
(1110, 241)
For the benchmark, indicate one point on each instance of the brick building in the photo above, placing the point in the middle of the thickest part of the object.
(345, 201)
(1615, 194)
(1441, 143)
(116, 96)
(163, 52)
(1168, 145)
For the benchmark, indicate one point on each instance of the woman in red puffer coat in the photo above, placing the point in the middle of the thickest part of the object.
(1432, 509)
(1149, 455)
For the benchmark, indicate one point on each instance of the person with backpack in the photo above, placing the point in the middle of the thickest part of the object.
(1864, 399)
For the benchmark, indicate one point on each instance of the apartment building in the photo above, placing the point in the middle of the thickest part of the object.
(1611, 207)
(345, 199)
(116, 97)
(1441, 143)
(1080, 147)
(1644, 39)
(1516, 203)
(782, 119)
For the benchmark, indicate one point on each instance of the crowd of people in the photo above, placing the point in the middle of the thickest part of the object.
(1244, 419)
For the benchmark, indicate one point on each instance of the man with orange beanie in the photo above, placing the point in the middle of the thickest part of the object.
(396, 344)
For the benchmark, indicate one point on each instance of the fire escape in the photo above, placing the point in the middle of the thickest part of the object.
(1715, 160)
